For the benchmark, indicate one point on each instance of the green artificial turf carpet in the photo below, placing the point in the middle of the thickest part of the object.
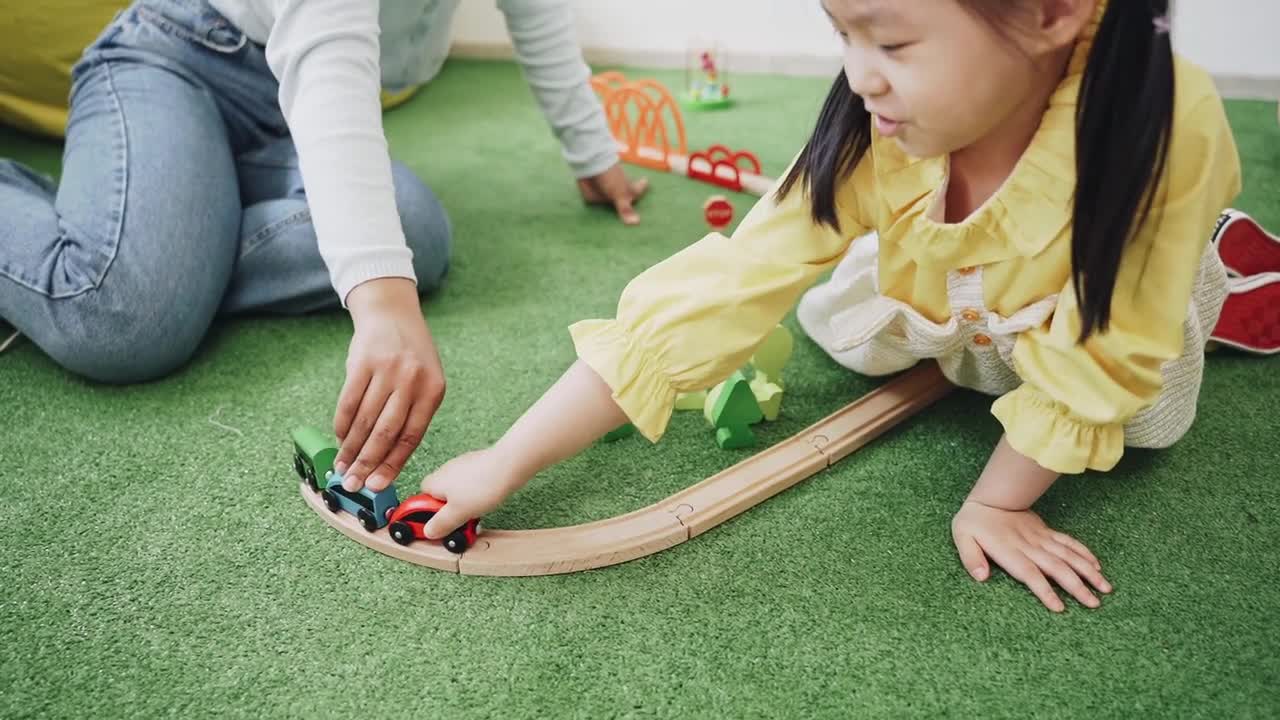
(158, 560)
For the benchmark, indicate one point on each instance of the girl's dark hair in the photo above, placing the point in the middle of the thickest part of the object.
(1124, 117)
(840, 139)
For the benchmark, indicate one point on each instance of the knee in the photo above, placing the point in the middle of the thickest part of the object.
(1161, 439)
(427, 227)
(146, 339)
(1159, 430)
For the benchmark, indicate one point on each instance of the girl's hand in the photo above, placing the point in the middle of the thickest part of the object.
(1027, 549)
(394, 384)
(612, 187)
(471, 485)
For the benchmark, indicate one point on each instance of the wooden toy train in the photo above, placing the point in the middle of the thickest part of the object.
(313, 456)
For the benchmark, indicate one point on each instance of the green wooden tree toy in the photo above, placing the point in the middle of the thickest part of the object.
(691, 400)
(624, 430)
(773, 354)
(734, 411)
(768, 394)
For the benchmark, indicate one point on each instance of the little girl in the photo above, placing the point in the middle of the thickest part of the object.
(1023, 191)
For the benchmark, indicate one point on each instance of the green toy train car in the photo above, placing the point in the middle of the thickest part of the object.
(313, 456)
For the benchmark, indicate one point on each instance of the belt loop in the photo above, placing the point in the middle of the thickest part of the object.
(220, 32)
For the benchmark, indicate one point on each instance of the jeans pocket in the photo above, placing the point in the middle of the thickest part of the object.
(195, 22)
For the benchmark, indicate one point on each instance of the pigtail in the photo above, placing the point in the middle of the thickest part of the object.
(840, 139)
(1124, 118)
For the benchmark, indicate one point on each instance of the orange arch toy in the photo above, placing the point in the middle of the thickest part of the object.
(645, 120)
(639, 112)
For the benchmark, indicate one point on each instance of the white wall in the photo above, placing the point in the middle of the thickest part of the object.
(758, 35)
(1236, 40)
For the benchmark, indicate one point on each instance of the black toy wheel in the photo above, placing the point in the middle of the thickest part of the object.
(401, 533)
(330, 501)
(311, 479)
(298, 467)
(456, 541)
(366, 519)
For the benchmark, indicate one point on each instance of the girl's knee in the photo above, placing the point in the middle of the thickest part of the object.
(427, 227)
(1158, 433)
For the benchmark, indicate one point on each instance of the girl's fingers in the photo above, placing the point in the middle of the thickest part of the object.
(1082, 565)
(972, 557)
(1028, 574)
(1076, 545)
(622, 205)
(1062, 574)
(450, 518)
(433, 484)
(1021, 568)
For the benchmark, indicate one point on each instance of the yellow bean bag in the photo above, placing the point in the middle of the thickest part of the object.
(39, 43)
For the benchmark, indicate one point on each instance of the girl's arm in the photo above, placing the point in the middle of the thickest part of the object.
(1070, 412)
(1011, 480)
(683, 325)
(576, 411)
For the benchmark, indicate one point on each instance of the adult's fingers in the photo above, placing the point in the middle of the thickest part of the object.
(386, 434)
(375, 398)
(639, 188)
(353, 387)
(628, 214)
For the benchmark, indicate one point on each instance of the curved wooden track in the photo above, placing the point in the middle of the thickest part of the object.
(678, 518)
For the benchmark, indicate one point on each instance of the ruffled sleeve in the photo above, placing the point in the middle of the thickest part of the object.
(1069, 413)
(688, 322)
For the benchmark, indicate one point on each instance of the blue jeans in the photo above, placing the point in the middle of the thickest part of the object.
(180, 200)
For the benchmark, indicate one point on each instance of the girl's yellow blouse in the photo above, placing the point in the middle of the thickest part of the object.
(691, 320)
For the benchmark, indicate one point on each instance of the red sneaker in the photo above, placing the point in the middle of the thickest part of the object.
(1250, 318)
(1244, 246)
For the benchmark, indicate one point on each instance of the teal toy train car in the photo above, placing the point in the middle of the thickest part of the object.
(372, 509)
(313, 456)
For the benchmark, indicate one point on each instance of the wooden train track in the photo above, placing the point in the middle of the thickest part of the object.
(678, 518)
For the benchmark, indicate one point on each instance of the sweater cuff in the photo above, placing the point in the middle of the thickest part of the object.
(385, 263)
(589, 153)
(1045, 431)
(634, 375)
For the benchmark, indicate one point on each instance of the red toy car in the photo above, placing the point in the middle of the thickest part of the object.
(408, 520)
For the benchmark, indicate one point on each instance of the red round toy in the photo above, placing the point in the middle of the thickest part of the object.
(718, 211)
(409, 519)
